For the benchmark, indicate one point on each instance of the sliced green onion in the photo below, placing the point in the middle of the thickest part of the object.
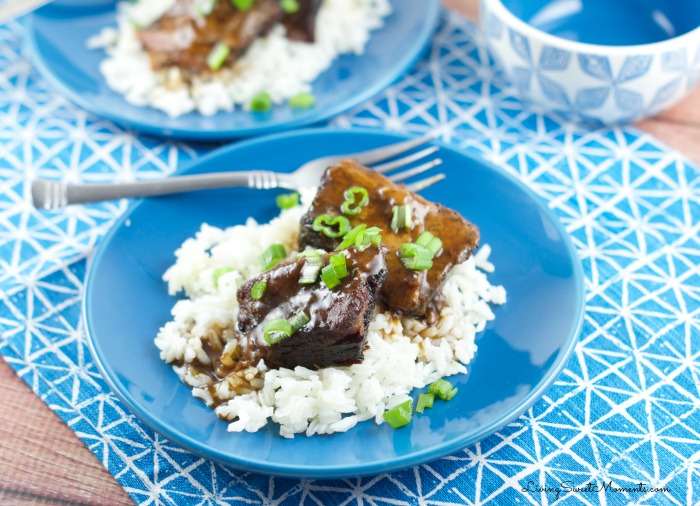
(288, 200)
(400, 415)
(350, 237)
(299, 320)
(442, 389)
(261, 102)
(415, 257)
(302, 101)
(220, 272)
(326, 223)
(289, 6)
(372, 235)
(309, 273)
(312, 253)
(402, 217)
(258, 290)
(242, 5)
(330, 277)
(429, 242)
(204, 7)
(339, 263)
(277, 330)
(312, 266)
(217, 56)
(424, 401)
(272, 256)
(352, 206)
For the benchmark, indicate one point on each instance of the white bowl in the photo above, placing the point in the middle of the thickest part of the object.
(590, 82)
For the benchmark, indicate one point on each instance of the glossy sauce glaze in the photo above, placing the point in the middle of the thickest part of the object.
(183, 38)
(407, 291)
(339, 318)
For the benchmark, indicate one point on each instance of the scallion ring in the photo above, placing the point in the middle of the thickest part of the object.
(272, 256)
(429, 242)
(242, 5)
(372, 235)
(258, 290)
(217, 56)
(356, 197)
(350, 237)
(287, 200)
(299, 320)
(402, 218)
(339, 263)
(399, 415)
(220, 272)
(277, 330)
(415, 257)
(329, 277)
(443, 389)
(424, 401)
(331, 226)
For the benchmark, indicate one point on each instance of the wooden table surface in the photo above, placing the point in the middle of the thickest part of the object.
(56, 468)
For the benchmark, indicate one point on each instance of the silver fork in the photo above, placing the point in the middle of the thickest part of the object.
(54, 195)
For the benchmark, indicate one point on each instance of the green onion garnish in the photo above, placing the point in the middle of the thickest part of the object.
(289, 6)
(339, 263)
(220, 272)
(311, 268)
(400, 415)
(258, 290)
(424, 401)
(429, 242)
(372, 235)
(415, 257)
(299, 320)
(352, 206)
(350, 237)
(272, 256)
(442, 389)
(326, 223)
(217, 56)
(277, 330)
(329, 277)
(302, 101)
(261, 102)
(204, 7)
(402, 217)
(242, 5)
(288, 200)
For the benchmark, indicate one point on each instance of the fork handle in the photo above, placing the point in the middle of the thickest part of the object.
(53, 195)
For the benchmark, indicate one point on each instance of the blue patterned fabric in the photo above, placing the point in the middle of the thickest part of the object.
(626, 410)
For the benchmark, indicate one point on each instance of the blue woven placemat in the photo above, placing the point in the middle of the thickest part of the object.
(625, 412)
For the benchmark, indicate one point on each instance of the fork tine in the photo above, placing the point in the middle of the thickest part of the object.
(425, 183)
(384, 153)
(386, 167)
(401, 176)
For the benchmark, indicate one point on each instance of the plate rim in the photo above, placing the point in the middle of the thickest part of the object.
(341, 471)
(314, 116)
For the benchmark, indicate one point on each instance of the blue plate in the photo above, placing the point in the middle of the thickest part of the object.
(520, 354)
(63, 59)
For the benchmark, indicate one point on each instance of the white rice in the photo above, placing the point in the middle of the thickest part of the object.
(273, 64)
(403, 353)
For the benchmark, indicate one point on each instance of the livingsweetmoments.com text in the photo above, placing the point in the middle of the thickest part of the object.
(566, 487)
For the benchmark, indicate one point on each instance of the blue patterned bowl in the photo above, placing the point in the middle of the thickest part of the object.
(602, 61)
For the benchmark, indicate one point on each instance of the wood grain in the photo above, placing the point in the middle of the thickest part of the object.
(42, 462)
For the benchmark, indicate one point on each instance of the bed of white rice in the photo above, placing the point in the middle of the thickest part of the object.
(404, 353)
(273, 64)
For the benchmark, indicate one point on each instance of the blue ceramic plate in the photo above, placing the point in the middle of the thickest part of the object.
(62, 57)
(520, 354)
